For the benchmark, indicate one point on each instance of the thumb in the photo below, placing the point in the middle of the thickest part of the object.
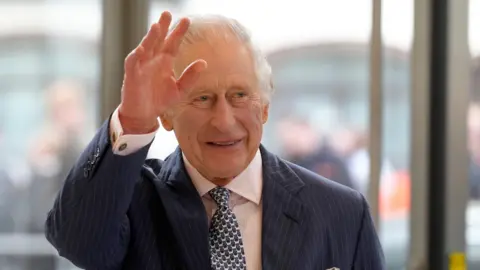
(191, 74)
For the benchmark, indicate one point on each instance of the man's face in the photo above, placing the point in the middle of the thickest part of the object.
(219, 122)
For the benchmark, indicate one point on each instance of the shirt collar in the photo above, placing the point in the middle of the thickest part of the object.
(247, 184)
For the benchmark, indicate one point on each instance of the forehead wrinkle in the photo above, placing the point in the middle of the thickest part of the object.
(226, 83)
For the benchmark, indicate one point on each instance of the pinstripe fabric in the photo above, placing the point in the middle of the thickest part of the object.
(119, 212)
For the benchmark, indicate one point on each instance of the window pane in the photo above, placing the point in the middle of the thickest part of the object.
(49, 83)
(473, 131)
(394, 201)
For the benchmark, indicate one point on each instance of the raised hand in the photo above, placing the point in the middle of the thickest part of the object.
(149, 85)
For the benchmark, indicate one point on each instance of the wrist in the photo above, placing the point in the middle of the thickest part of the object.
(133, 125)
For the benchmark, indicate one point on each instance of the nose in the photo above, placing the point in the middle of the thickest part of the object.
(222, 115)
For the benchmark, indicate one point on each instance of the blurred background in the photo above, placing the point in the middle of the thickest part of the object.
(60, 72)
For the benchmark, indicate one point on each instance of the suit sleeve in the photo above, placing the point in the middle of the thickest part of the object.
(369, 254)
(88, 223)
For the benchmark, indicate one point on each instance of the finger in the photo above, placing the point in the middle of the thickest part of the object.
(173, 41)
(148, 41)
(164, 23)
(133, 58)
(191, 74)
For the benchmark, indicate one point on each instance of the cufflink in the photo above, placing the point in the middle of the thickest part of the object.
(122, 147)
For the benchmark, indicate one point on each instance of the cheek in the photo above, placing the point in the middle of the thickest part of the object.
(254, 118)
(192, 124)
(256, 109)
(186, 125)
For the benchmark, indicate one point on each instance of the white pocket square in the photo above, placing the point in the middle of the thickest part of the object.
(333, 268)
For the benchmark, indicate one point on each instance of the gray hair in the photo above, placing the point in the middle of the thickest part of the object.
(204, 26)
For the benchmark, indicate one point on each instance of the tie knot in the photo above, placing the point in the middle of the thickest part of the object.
(220, 195)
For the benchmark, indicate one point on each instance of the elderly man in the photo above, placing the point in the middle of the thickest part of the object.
(221, 200)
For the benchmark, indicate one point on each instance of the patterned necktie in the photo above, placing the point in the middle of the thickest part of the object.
(226, 245)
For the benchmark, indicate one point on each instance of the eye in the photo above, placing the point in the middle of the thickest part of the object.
(240, 95)
(203, 101)
(202, 98)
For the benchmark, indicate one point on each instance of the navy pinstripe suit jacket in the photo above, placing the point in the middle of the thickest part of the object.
(122, 212)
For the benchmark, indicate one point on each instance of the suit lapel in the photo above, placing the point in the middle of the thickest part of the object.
(285, 217)
(284, 221)
(185, 212)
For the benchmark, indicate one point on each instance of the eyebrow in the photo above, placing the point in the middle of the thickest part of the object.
(198, 92)
(239, 85)
(231, 86)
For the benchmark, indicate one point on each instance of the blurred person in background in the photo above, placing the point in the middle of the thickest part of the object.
(296, 138)
(7, 194)
(57, 147)
(352, 145)
(473, 125)
(52, 154)
(302, 145)
(10, 202)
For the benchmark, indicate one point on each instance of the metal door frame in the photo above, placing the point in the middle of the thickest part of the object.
(124, 25)
(440, 78)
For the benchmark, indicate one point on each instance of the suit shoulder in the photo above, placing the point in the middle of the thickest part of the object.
(320, 189)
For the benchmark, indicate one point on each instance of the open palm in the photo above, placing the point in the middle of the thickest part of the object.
(149, 86)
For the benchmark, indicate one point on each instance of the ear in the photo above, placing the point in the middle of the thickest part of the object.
(166, 122)
(265, 111)
(266, 105)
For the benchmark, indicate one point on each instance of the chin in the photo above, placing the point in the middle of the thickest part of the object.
(224, 169)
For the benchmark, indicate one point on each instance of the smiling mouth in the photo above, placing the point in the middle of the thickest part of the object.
(224, 144)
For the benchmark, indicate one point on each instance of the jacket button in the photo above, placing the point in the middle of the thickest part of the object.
(86, 172)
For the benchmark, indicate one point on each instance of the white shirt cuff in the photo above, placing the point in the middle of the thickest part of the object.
(127, 144)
